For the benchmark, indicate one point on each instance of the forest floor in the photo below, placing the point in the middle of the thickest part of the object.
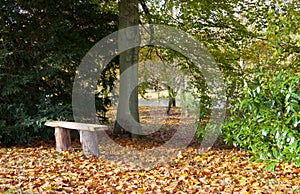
(38, 168)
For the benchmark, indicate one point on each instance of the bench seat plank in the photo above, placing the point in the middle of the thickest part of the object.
(76, 126)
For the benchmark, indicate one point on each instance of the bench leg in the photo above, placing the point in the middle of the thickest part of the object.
(90, 143)
(63, 139)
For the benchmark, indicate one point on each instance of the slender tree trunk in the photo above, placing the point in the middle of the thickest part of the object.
(127, 113)
(172, 100)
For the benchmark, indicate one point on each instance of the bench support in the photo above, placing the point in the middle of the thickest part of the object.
(62, 139)
(90, 142)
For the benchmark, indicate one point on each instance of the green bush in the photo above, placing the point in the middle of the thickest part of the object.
(24, 125)
(37, 67)
(265, 120)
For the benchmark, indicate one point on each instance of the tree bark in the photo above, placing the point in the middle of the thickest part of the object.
(128, 100)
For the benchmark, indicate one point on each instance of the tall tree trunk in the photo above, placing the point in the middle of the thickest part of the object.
(127, 114)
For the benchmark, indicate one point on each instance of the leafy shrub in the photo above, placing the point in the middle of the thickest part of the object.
(37, 67)
(265, 120)
(24, 125)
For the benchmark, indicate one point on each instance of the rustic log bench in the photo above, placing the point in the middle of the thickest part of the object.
(88, 136)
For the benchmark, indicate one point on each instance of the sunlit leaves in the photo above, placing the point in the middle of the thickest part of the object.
(265, 120)
(39, 169)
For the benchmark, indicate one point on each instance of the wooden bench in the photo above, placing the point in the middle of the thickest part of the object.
(88, 136)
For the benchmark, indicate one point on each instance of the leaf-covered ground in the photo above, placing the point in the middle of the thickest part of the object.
(38, 168)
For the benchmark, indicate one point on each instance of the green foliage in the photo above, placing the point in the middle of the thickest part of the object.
(266, 119)
(41, 46)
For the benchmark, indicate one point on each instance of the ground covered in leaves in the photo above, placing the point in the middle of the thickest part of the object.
(39, 169)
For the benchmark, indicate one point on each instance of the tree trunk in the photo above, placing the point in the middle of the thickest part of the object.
(172, 100)
(127, 113)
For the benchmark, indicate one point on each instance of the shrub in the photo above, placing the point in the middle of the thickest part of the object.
(265, 120)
